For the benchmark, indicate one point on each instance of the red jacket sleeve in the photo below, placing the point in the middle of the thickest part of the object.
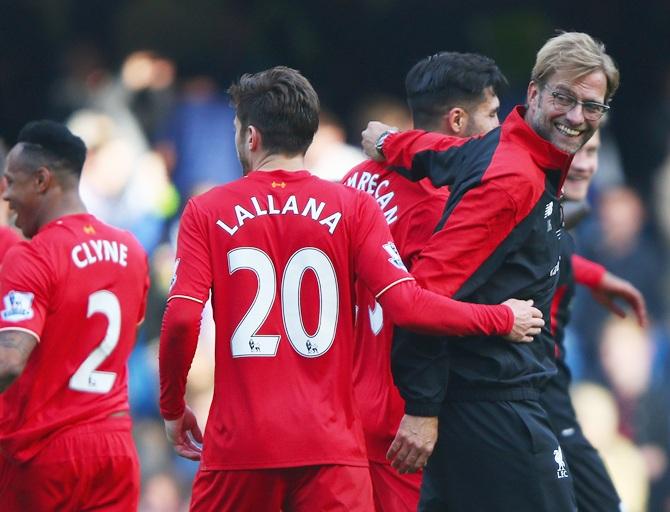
(417, 154)
(587, 273)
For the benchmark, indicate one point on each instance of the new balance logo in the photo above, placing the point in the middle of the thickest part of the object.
(548, 210)
(278, 184)
(89, 230)
(561, 472)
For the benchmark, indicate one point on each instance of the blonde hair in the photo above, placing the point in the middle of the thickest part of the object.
(578, 54)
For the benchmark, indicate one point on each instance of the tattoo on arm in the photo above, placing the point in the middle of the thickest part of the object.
(15, 349)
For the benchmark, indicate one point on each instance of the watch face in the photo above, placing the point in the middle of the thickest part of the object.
(379, 146)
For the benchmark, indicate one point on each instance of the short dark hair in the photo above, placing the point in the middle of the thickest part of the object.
(445, 80)
(282, 105)
(53, 145)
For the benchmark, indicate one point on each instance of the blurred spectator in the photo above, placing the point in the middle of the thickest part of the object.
(628, 353)
(149, 78)
(618, 239)
(197, 141)
(598, 416)
(162, 493)
(122, 182)
(386, 109)
(329, 156)
(610, 171)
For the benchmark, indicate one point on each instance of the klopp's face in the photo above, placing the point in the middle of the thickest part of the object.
(566, 127)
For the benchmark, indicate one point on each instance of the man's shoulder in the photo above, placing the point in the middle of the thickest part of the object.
(74, 229)
(377, 179)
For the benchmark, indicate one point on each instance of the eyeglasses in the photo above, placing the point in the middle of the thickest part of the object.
(592, 109)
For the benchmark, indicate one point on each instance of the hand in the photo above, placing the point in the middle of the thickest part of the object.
(612, 287)
(527, 320)
(413, 443)
(185, 435)
(369, 139)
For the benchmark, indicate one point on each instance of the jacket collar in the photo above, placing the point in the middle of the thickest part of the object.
(547, 156)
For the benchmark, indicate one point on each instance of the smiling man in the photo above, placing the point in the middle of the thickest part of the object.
(500, 235)
(67, 328)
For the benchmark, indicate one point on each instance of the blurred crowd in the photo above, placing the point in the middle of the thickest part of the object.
(156, 137)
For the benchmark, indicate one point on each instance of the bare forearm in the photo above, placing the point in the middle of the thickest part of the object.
(6, 380)
(15, 349)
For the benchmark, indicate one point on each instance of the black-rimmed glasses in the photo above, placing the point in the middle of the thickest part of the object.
(566, 102)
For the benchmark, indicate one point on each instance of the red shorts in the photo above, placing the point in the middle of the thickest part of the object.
(91, 466)
(307, 488)
(394, 492)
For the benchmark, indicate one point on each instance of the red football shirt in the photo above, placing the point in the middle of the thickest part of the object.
(412, 210)
(79, 286)
(8, 238)
(279, 251)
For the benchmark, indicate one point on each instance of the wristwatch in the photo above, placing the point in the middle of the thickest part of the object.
(379, 145)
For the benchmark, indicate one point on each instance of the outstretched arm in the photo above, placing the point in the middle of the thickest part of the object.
(412, 307)
(415, 154)
(606, 288)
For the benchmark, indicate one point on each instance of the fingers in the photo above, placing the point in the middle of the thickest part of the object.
(636, 300)
(406, 455)
(535, 313)
(409, 458)
(394, 448)
(187, 453)
(197, 433)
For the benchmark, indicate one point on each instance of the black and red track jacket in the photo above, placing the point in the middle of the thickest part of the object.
(498, 239)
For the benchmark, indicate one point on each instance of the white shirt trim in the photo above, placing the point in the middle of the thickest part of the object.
(184, 297)
(393, 284)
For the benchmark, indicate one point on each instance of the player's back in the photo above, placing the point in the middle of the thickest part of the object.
(283, 248)
(80, 287)
(412, 210)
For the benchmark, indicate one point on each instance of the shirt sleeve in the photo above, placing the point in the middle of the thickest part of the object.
(376, 260)
(417, 154)
(145, 294)
(25, 287)
(416, 229)
(178, 342)
(193, 274)
(587, 273)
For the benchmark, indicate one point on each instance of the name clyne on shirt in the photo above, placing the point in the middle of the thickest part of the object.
(95, 251)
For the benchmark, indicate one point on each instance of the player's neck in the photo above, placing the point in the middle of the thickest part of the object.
(68, 203)
(283, 162)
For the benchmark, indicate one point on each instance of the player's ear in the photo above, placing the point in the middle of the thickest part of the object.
(254, 138)
(42, 179)
(456, 121)
(533, 93)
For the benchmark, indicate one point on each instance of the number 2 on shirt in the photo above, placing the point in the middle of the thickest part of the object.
(246, 342)
(87, 378)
